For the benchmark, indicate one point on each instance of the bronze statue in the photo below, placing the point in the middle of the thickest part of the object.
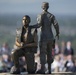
(45, 21)
(25, 45)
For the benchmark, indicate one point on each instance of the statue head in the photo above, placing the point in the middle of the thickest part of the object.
(45, 6)
(26, 20)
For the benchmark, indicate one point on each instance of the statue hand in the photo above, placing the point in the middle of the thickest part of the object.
(57, 35)
(21, 44)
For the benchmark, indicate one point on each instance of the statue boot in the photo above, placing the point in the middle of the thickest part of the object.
(15, 70)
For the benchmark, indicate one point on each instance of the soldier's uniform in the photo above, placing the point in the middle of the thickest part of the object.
(25, 36)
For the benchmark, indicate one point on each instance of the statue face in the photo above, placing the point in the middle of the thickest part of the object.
(25, 21)
(45, 6)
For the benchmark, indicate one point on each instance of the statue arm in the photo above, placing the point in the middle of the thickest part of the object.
(17, 43)
(35, 26)
(39, 22)
(56, 25)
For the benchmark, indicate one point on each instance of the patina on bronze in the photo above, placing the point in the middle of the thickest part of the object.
(45, 20)
(25, 45)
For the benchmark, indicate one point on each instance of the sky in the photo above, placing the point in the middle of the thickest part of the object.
(34, 6)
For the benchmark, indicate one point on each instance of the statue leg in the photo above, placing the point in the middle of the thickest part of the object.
(30, 62)
(15, 58)
(49, 55)
(43, 48)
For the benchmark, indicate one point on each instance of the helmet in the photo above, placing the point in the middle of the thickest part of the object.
(45, 5)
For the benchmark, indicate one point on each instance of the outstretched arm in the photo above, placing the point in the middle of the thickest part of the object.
(35, 26)
(39, 22)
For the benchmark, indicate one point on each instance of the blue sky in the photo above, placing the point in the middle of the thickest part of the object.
(34, 6)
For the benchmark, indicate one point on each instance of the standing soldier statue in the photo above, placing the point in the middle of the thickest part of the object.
(45, 20)
(25, 45)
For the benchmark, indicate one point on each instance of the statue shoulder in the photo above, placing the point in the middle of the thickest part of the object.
(18, 30)
(18, 33)
(39, 15)
(39, 18)
(50, 15)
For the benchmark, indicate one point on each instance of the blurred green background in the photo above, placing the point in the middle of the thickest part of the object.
(11, 13)
(9, 23)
